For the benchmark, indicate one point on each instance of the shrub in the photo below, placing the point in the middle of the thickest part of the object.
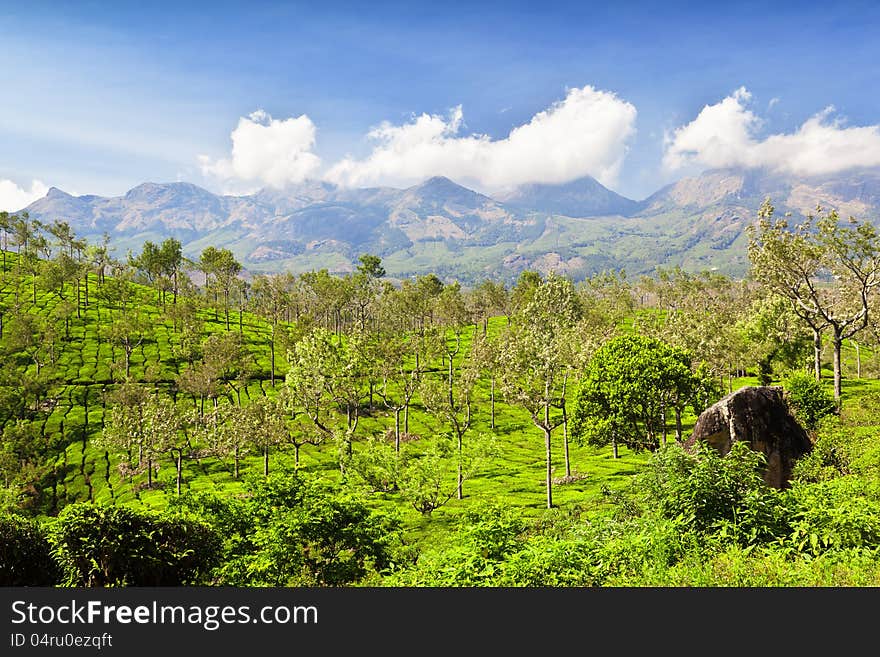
(808, 399)
(486, 536)
(841, 514)
(831, 455)
(304, 534)
(25, 553)
(708, 493)
(118, 546)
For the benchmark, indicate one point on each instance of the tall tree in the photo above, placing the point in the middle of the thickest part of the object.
(327, 373)
(222, 265)
(826, 269)
(531, 362)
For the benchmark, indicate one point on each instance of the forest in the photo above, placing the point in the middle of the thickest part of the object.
(167, 421)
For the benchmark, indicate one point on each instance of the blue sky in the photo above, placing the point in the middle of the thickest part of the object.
(100, 96)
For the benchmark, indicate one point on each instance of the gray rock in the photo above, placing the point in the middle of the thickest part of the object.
(759, 416)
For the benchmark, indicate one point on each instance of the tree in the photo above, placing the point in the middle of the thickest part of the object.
(127, 332)
(6, 224)
(125, 428)
(327, 373)
(229, 359)
(522, 293)
(293, 531)
(698, 312)
(171, 260)
(452, 400)
(399, 380)
(773, 334)
(223, 436)
(431, 477)
(263, 421)
(827, 271)
(488, 299)
(270, 296)
(28, 333)
(169, 430)
(808, 399)
(150, 262)
(222, 265)
(627, 385)
(531, 364)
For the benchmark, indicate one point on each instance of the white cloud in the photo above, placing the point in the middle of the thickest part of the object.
(267, 151)
(583, 134)
(14, 198)
(724, 135)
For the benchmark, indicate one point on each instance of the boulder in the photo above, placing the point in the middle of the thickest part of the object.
(760, 416)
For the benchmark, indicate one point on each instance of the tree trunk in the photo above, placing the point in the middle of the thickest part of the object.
(678, 424)
(663, 418)
(226, 307)
(296, 447)
(397, 429)
(272, 355)
(858, 360)
(817, 354)
(547, 445)
(266, 461)
(565, 445)
(549, 478)
(179, 469)
(565, 427)
(460, 479)
(838, 343)
(236, 460)
(492, 400)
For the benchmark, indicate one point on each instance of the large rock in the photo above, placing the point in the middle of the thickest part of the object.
(760, 416)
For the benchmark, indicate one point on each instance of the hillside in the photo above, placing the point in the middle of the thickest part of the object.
(193, 388)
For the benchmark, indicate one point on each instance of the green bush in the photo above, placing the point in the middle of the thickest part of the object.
(808, 399)
(839, 514)
(484, 538)
(546, 561)
(292, 531)
(118, 546)
(832, 453)
(25, 553)
(707, 493)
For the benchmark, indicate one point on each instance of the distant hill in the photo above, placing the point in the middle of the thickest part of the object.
(439, 226)
(584, 197)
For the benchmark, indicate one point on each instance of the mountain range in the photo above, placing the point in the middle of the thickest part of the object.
(578, 228)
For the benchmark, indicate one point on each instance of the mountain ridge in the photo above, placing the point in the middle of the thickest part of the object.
(440, 226)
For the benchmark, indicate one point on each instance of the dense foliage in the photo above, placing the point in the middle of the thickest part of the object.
(117, 546)
(808, 399)
(25, 553)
